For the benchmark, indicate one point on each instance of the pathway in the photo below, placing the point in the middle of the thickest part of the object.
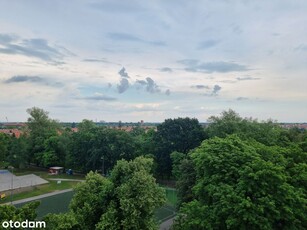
(166, 225)
(40, 196)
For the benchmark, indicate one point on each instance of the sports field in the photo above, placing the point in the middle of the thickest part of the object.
(53, 204)
(60, 202)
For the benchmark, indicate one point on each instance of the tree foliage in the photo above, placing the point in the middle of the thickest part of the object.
(181, 135)
(4, 145)
(26, 212)
(41, 127)
(90, 149)
(230, 122)
(126, 200)
(246, 185)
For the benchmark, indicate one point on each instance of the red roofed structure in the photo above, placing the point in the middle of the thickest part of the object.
(11, 132)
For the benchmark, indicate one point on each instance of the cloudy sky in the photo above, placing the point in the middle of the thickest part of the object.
(151, 60)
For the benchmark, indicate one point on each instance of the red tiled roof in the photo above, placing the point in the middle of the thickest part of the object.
(11, 132)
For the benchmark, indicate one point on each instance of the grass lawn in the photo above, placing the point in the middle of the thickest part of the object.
(41, 189)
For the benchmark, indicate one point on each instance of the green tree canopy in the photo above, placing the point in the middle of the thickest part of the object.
(41, 127)
(90, 149)
(181, 135)
(230, 122)
(26, 212)
(246, 185)
(4, 144)
(126, 200)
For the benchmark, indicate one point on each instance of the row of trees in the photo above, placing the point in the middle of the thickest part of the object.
(237, 173)
(46, 143)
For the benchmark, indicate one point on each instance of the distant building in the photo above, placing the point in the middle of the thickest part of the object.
(74, 129)
(292, 125)
(12, 132)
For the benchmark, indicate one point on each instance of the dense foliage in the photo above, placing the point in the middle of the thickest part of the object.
(126, 200)
(181, 135)
(237, 173)
(10, 212)
(242, 180)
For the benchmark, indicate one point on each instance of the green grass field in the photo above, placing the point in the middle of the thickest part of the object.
(53, 204)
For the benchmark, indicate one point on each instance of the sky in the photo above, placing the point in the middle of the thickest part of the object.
(152, 60)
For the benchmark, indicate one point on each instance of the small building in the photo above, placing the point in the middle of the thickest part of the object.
(56, 170)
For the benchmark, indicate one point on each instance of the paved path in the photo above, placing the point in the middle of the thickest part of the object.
(166, 225)
(40, 196)
(62, 179)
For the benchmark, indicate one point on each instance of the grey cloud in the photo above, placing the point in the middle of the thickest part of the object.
(95, 60)
(123, 85)
(141, 82)
(100, 98)
(132, 38)
(247, 78)
(216, 89)
(166, 69)
(193, 65)
(149, 84)
(200, 86)
(123, 73)
(99, 60)
(38, 48)
(33, 79)
(208, 44)
(152, 87)
(6, 38)
(16, 79)
(168, 92)
(109, 85)
(188, 62)
(241, 98)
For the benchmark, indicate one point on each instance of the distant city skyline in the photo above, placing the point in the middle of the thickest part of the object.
(153, 60)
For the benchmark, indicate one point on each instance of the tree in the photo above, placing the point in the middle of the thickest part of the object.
(4, 143)
(18, 151)
(41, 127)
(89, 147)
(230, 122)
(126, 200)
(86, 125)
(26, 212)
(185, 180)
(181, 135)
(64, 221)
(245, 185)
(137, 196)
